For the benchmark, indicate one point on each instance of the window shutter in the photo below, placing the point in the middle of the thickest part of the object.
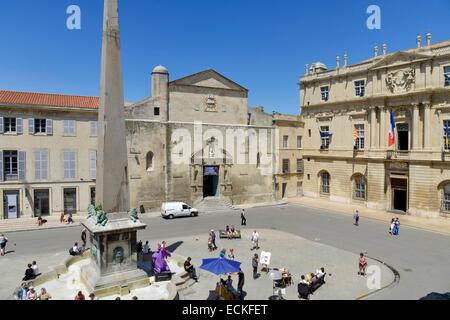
(1, 125)
(49, 127)
(1, 165)
(22, 161)
(31, 126)
(44, 165)
(19, 125)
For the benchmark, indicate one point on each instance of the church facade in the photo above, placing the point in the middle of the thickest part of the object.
(376, 132)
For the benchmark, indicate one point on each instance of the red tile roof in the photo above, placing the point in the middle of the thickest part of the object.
(49, 100)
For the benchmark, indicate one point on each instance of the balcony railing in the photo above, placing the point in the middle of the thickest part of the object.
(397, 154)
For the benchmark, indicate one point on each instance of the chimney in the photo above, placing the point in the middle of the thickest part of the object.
(375, 51)
(429, 39)
(345, 60)
(384, 48)
(338, 62)
(307, 69)
(419, 41)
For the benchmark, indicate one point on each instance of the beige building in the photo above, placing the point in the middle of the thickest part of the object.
(347, 114)
(289, 176)
(194, 138)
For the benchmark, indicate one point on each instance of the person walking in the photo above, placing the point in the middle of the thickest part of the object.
(243, 218)
(356, 218)
(3, 241)
(69, 218)
(396, 226)
(255, 240)
(391, 227)
(241, 282)
(146, 248)
(255, 266)
(83, 237)
(213, 240)
(362, 265)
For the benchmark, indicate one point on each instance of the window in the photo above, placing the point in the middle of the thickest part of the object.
(359, 141)
(149, 161)
(447, 76)
(156, 111)
(40, 126)
(92, 194)
(93, 128)
(324, 91)
(69, 128)
(285, 142)
(446, 198)
(299, 165)
(360, 88)
(325, 137)
(325, 183)
(11, 165)
(41, 165)
(447, 135)
(10, 125)
(70, 200)
(258, 160)
(285, 165)
(299, 142)
(93, 164)
(360, 188)
(69, 164)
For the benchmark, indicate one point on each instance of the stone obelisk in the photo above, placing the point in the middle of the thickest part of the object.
(112, 187)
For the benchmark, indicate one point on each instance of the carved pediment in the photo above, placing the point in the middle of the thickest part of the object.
(399, 59)
(209, 79)
(401, 80)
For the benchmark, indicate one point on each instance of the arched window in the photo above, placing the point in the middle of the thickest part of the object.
(360, 188)
(325, 183)
(446, 198)
(149, 161)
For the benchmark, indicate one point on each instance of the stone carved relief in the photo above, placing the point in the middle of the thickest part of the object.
(211, 104)
(401, 81)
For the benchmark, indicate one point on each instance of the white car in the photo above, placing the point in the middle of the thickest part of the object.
(170, 210)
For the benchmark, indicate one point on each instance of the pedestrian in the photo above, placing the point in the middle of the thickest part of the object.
(35, 268)
(255, 240)
(80, 296)
(231, 255)
(213, 240)
(362, 265)
(92, 296)
(3, 241)
(391, 227)
(356, 218)
(44, 295)
(210, 245)
(243, 218)
(83, 237)
(241, 281)
(146, 248)
(255, 266)
(139, 248)
(29, 273)
(396, 226)
(62, 219)
(69, 218)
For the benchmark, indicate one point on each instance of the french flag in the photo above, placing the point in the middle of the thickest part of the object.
(392, 130)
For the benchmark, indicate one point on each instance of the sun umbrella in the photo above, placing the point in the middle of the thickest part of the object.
(220, 266)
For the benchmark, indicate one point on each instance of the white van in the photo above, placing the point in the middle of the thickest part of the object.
(171, 210)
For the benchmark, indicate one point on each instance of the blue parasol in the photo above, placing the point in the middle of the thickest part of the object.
(220, 266)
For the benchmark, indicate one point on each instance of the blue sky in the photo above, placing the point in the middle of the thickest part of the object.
(262, 45)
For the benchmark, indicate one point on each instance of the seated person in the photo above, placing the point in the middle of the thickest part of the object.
(304, 281)
(223, 253)
(75, 250)
(229, 285)
(229, 233)
(29, 273)
(188, 267)
(320, 273)
(233, 230)
(309, 277)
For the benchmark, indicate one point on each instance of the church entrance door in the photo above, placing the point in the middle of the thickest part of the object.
(211, 181)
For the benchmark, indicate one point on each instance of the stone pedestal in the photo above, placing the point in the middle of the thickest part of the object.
(113, 253)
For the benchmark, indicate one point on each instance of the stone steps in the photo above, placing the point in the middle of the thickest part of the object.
(212, 204)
